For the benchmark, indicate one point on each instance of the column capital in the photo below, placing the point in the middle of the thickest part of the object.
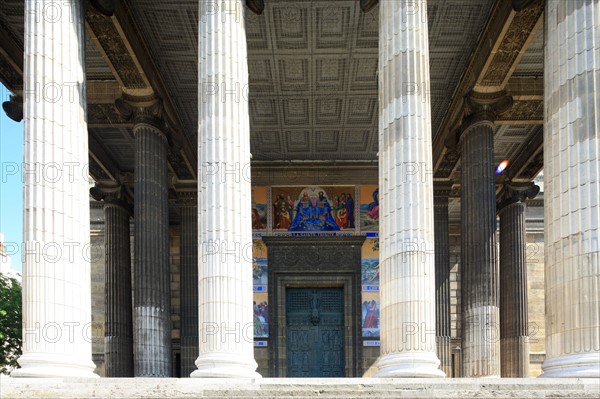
(142, 111)
(483, 109)
(368, 5)
(442, 190)
(256, 6)
(112, 196)
(187, 199)
(520, 5)
(513, 193)
(14, 108)
(106, 7)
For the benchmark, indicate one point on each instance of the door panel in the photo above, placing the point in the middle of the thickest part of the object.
(315, 332)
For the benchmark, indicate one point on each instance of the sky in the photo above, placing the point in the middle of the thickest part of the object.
(11, 186)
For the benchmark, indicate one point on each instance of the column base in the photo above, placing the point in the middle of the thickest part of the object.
(585, 365)
(45, 365)
(220, 365)
(409, 365)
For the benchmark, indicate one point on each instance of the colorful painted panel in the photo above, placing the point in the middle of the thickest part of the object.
(313, 208)
(370, 274)
(259, 274)
(369, 208)
(261, 311)
(370, 287)
(370, 314)
(260, 281)
(259, 208)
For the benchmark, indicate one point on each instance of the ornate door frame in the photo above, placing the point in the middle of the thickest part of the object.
(314, 262)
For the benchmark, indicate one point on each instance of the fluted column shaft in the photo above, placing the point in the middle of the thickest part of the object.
(189, 284)
(442, 283)
(226, 342)
(152, 295)
(571, 200)
(118, 331)
(56, 269)
(406, 229)
(514, 337)
(479, 264)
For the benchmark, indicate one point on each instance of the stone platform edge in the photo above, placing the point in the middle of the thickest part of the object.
(297, 388)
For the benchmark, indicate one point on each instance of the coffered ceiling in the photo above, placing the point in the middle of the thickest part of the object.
(313, 70)
(312, 79)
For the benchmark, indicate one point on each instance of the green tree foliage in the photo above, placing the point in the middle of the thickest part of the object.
(10, 323)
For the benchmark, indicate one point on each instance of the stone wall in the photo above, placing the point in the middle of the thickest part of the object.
(535, 266)
(535, 292)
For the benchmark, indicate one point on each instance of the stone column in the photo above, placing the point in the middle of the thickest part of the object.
(514, 337)
(479, 263)
(56, 269)
(151, 268)
(571, 208)
(118, 330)
(442, 279)
(152, 300)
(226, 342)
(406, 231)
(188, 207)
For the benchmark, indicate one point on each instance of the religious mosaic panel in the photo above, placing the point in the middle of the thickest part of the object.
(370, 314)
(369, 208)
(259, 208)
(261, 310)
(370, 274)
(259, 274)
(313, 208)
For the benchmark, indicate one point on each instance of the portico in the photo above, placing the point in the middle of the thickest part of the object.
(199, 114)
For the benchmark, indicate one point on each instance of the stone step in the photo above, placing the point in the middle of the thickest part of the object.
(351, 388)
